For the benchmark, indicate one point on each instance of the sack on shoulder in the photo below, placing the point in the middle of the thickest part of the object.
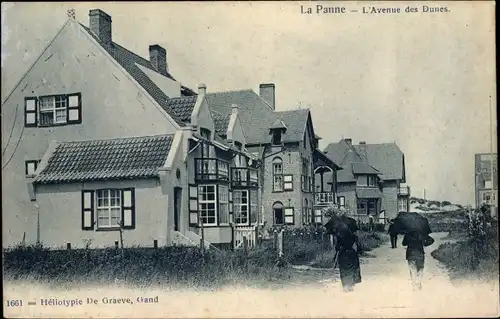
(428, 241)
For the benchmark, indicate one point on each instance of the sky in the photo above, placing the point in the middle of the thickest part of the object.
(421, 80)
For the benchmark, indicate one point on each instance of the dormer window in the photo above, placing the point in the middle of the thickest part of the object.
(277, 130)
(205, 133)
(276, 137)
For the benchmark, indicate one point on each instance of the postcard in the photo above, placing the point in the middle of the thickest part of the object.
(249, 159)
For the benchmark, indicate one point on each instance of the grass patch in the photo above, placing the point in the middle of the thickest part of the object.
(470, 258)
(141, 267)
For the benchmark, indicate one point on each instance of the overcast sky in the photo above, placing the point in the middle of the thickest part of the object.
(421, 80)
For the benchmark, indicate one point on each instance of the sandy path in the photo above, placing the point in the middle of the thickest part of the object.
(384, 292)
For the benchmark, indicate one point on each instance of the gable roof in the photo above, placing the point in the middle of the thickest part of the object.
(363, 168)
(183, 107)
(221, 122)
(131, 62)
(257, 116)
(110, 159)
(386, 158)
(350, 160)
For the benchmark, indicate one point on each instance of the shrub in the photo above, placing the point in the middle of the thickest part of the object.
(136, 265)
(445, 203)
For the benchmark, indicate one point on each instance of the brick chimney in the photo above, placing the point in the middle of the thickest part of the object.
(158, 58)
(266, 91)
(362, 149)
(100, 25)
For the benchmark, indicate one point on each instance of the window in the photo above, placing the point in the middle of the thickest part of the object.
(223, 204)
(341, 201)
(277, 175)
(305, 213)
(113, 208)
(109, 207)
(207, 204)
(402, 206)
(362, 180)
(276, 137)
(486, 196)
(254, 206)
(372, 180)
(278, 213)
(318, 216)
(205, 133)
(53, 110)
(31, 166)
(289, 216)
(205, 150)
(288, 182)
(240, 207)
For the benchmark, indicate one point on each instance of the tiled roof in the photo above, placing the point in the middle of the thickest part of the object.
(221, 122)
(111, 159)
(183, 107)
(386, 158)
(129, 61)
(257, 116)
(363, 168)
(321, 159)
(368, 193)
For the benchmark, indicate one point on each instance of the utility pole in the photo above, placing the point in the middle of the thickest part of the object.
(424, 195)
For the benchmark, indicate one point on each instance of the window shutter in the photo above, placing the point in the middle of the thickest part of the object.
(128, 208)
(87, 210)
(30, 111)
(193, 206)
(74, 108)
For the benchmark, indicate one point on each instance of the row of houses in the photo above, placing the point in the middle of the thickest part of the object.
(98, 141)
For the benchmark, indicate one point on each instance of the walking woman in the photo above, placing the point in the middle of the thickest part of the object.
(348, 259)
(415, 256)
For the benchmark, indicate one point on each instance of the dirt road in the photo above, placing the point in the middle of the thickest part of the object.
(384, 292)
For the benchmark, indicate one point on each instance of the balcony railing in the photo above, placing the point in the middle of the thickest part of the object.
(244, 176)
(324, 198)
(404, 191)
(211, 169)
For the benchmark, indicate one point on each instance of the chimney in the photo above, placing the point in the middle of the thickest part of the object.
(362, 149)
(100, 25)
(348, 141)
(202, 89)
(158, 58)
(266, 91)
(234, 109)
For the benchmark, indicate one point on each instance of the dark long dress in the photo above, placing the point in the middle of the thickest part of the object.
(348, 259)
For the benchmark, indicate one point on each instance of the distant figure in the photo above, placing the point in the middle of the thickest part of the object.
(393, 233)
(348, 260)
(415, 256)
(371, 223)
